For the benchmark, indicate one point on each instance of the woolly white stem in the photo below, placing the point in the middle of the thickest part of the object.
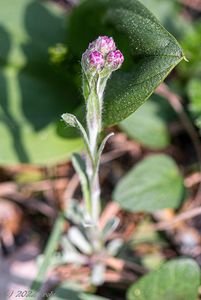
(94, 125)
(94, 104)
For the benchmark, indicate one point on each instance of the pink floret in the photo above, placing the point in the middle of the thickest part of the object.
(96, 59)
(115, 58)
(92, 46)
(105, 44)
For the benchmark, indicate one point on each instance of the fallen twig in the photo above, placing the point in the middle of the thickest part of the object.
(122, 265)
(179, 218)
(193, 180)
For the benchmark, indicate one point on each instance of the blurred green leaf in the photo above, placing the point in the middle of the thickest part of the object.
(191, 46)
(150, 51)
(175, 280)
(170, 15)
(148, 125)
(33, 94)
(194, 93)
(145, 233)
(146, 237)
(153, 184)
(152, 261)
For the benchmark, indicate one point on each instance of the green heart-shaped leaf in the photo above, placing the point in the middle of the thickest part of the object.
(153, 184)
(150, 51)
(175, 280)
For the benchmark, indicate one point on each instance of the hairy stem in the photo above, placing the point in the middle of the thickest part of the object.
(94, 125)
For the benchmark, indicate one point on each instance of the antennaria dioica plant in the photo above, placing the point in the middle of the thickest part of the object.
(98, 62)
(151, 53)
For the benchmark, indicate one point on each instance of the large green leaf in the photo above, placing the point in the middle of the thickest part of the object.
(33, 93)
(176, 280)
(150, 51)
(148, 125)
(153, 184)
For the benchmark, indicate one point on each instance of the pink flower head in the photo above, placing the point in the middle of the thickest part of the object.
(115, 59)
(102, 53)
(105, 44)
(96, 59)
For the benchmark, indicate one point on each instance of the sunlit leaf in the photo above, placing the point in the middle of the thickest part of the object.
(175, 280)
(153, 184)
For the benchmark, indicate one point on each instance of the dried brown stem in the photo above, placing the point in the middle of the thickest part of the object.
(194, 4)
(114, 277)
(122, 265)
(8, 188)
(192, 180)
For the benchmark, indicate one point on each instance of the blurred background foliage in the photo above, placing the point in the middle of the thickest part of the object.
(40, 79)
(35, 87)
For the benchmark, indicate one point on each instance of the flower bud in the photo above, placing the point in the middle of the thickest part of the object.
(92, 60)
(96, 59)
(102, 57)
(105, 44)
(115, 59)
